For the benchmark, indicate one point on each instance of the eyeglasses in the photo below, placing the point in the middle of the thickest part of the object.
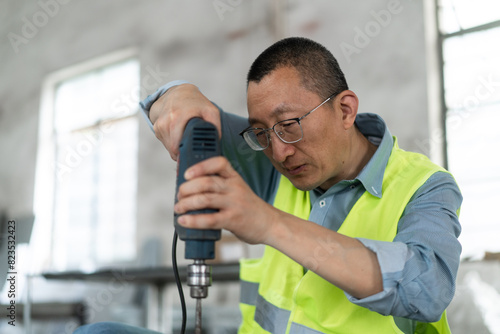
(288, 130)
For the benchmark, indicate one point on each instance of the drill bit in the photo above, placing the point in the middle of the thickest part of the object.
(198, 317)
(199, 279)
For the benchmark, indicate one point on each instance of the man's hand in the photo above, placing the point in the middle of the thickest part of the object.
(172, 111)
(214, 184)
(341, 260)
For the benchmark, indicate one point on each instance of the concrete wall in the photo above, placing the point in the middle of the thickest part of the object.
(379, 44)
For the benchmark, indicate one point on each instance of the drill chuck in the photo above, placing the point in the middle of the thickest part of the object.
(199, 278)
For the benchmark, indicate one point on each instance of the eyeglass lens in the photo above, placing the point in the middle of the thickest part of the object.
(289, 131)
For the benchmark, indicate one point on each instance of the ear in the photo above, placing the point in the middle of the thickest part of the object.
(348, 103)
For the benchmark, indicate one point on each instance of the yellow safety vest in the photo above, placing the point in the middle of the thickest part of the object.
(278, 296)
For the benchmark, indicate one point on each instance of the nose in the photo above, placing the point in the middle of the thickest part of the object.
(280, 150)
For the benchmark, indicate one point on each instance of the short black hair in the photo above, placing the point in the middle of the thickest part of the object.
(318, 68)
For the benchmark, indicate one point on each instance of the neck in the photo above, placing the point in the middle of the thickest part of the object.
(360, 152)
(363, 150)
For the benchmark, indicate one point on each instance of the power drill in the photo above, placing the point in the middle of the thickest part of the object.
(200, 141)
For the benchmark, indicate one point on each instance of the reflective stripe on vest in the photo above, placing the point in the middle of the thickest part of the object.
(278, 297)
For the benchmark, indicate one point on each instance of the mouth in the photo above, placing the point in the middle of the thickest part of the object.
(296, 169)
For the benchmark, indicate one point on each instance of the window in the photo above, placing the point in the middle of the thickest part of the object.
(470, 31)
(85, 196)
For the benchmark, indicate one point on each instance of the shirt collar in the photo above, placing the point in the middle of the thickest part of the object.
(371, 176)
(374, 129)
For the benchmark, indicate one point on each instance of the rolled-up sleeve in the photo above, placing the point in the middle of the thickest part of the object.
(148, 101)
(420, 265)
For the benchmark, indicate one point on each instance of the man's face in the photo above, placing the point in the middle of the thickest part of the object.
(318, 160)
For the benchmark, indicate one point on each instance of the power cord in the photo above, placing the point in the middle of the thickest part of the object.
(179, 284)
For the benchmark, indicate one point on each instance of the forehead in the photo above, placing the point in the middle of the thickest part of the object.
(277, 95)
(277, 82)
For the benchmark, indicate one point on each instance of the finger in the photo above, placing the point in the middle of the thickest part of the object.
(202, 221)
(212, 117)
(167, 130)
(204, 184)
(177, 126)
(200, 106)
(173, 110)
(198, 202)
(216, 165)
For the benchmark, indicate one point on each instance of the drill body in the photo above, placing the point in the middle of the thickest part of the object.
(200, 141)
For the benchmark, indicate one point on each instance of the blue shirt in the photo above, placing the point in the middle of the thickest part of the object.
(420, 265)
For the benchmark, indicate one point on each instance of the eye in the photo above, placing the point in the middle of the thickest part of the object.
(287, 127)
(260, 134)
(287, 123)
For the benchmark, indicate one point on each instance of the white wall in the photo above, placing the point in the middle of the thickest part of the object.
(380, 45)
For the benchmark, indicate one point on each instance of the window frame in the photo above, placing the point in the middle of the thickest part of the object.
(439, 110)
(44, 204)
(442, 156)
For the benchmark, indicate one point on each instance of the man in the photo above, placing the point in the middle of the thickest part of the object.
(361, 236)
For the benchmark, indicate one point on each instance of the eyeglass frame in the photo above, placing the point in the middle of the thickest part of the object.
(296, 119)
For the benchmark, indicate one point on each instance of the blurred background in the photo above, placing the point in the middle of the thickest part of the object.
(90, 190)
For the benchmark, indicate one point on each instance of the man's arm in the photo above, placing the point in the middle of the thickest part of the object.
(346, 262)
(214, 184)
(352, 267)
(419, 267)
(253, 166)
(412, 277)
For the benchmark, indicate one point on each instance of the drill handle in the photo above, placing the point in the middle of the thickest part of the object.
(199, 142)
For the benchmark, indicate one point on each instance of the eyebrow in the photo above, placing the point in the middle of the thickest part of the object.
(281, 109)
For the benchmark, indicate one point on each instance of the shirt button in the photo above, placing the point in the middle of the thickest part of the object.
(322, 203)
